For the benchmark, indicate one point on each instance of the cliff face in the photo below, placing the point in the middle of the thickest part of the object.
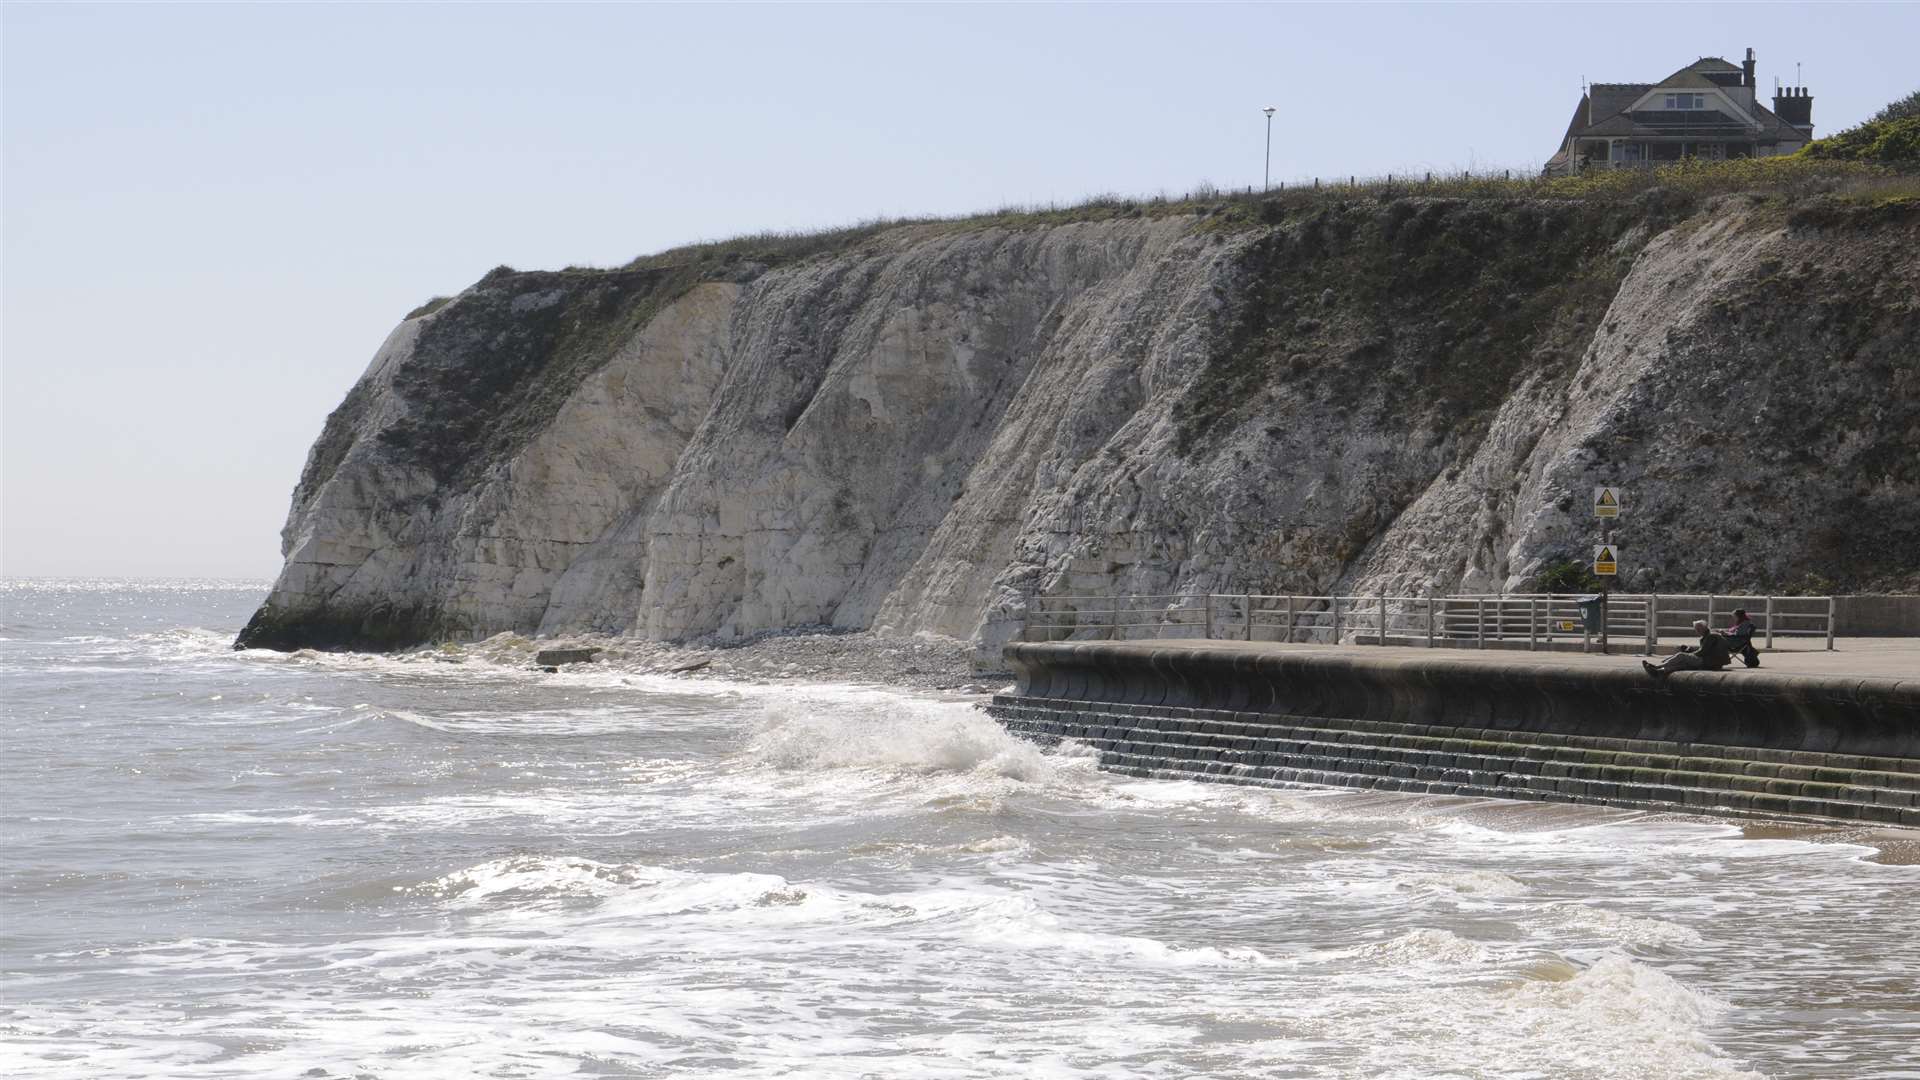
(908, 434)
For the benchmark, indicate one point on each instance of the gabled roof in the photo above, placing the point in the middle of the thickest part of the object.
(1686, 79)
(1607, 99)
(1606, 110)
(1579, 120)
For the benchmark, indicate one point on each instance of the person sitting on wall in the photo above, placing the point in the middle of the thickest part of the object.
(1740, 638)
(1711, 654)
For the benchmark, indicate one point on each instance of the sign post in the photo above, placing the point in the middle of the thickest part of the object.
(1607, 504)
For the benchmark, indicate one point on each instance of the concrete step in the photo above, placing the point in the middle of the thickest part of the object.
(1628, 782)
(1757, 755)
(1633, 773)
(1653, 788)
(1328, 738)
(1698, 801)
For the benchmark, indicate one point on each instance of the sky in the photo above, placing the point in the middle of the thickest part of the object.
(210, 216)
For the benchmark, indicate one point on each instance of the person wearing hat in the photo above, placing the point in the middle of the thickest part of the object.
(1740, 638)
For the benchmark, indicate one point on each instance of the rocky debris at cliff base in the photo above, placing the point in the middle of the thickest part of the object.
(923, 662)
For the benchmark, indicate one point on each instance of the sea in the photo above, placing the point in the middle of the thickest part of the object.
(439, 864)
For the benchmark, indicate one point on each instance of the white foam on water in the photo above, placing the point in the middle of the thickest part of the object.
(1423, 946)
(891, 736)
(1476, 883)
(1617, 928)
(1621, 1018)
(537, 882)
(555, 963)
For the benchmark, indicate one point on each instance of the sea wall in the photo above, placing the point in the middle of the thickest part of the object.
(1776, 710)
(912, 430)
(1742, 743)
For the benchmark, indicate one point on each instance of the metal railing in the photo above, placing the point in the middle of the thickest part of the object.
(1540, 620)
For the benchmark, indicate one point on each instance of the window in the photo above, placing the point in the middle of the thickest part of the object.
(1686, 101)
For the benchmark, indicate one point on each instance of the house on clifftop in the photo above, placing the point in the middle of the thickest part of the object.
(1708, 109)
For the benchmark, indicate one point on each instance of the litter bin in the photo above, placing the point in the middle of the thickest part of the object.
(1592, 612)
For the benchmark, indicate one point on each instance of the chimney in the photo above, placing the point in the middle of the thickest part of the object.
(1795, 105)
(1746, 70)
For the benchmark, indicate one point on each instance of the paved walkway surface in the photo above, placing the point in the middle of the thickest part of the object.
(1887, 658)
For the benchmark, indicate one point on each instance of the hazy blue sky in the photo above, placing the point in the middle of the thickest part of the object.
(212, 215)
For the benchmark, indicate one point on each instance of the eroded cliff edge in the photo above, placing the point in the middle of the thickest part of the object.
(909, 433)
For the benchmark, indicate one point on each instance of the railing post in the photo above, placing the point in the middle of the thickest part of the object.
(1246, 604)
(1206, 607)
(1533, 623)
(1480, 623)
(1710, 620)
(1829, 624)
(1383, 618)
(1026, 615)
(1336, 618)
(1113, 620)
(1653, 623)
(1769, 623)
(1429, 619)
(1289, 637)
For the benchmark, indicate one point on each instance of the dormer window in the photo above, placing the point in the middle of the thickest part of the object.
(1686, 101)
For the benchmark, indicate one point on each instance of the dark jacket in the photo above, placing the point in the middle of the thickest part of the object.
(1740, 634)
(1714, 653)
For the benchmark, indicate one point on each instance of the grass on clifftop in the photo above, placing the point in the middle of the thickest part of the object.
(1876, 162)
(1825, 169)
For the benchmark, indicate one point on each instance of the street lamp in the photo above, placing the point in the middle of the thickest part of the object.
(1266, 179)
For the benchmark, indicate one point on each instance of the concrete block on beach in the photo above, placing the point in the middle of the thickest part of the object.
(557, 657)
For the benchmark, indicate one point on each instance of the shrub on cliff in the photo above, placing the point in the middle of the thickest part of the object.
(1892, 138)
(1570, 576)
(1905, 108)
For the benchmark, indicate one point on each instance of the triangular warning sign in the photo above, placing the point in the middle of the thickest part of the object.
(1607, 499)
(1606, 555)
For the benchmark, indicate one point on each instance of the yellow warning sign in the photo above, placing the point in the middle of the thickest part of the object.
(1606, 560)
(1568, 625)
(1606, 502)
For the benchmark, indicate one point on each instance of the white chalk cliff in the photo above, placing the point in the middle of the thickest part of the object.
(911, 432)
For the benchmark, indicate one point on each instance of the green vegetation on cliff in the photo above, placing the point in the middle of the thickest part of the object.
(1891, 137)
(1423, 313)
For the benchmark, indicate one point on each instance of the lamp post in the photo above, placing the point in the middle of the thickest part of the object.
(1266, 178)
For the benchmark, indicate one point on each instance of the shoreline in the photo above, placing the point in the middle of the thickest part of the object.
(941, 666)
(923, 663)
